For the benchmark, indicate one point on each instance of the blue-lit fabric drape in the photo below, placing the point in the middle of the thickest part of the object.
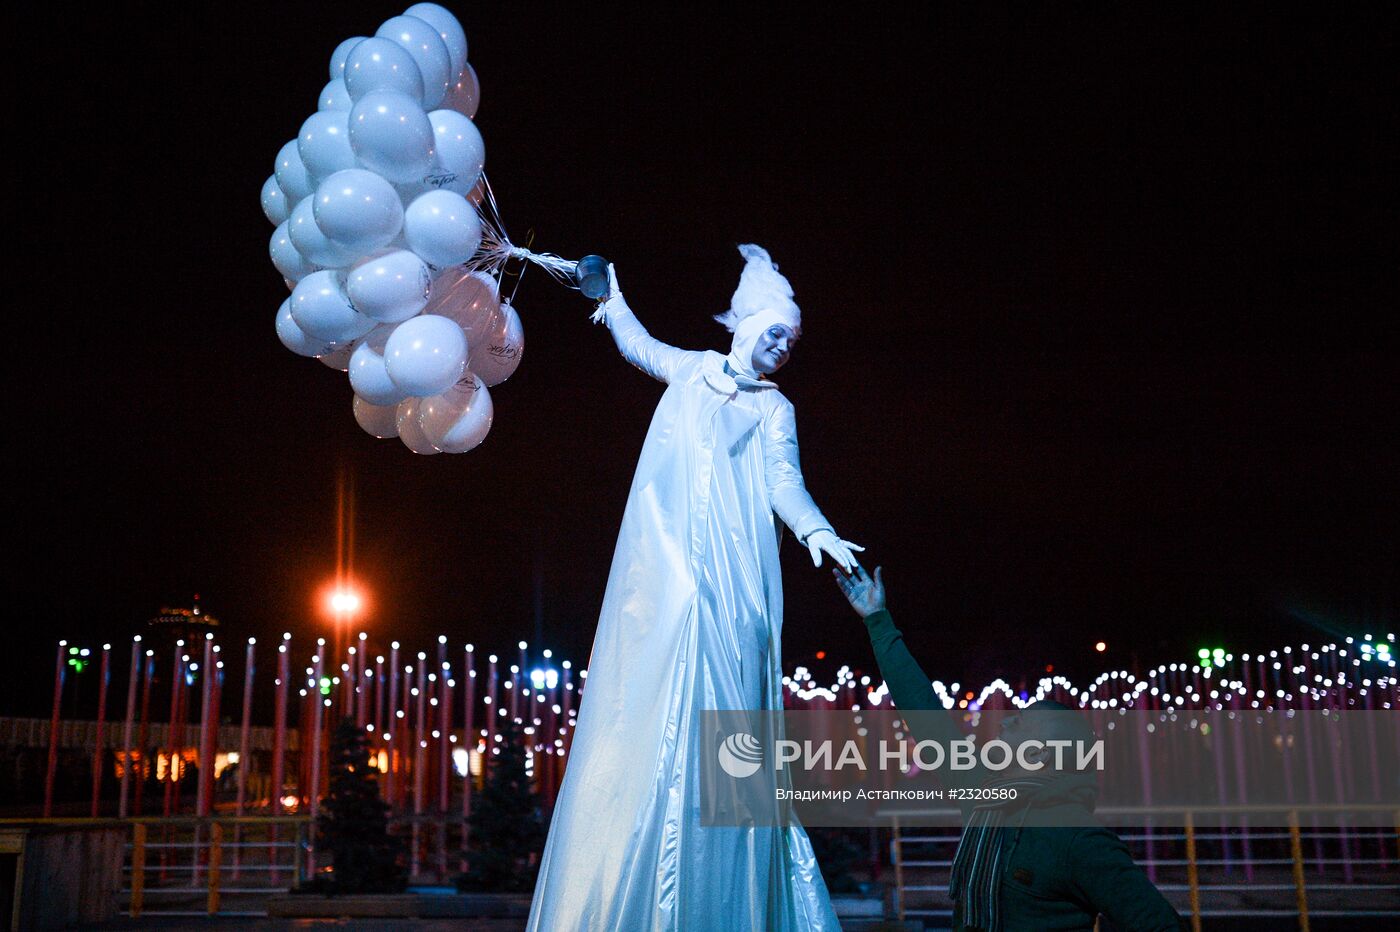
(691, 620)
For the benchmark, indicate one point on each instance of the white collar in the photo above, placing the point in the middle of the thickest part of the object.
(727, 383)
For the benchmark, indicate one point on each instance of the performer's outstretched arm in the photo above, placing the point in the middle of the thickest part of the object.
(788, 495)
(658, 360)
(786, 491)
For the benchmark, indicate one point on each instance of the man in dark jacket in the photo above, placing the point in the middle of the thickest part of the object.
(1039, 863)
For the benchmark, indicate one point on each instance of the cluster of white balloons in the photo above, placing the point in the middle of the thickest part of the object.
(374, 204)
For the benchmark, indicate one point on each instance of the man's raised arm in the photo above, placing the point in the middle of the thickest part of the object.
(908, 683)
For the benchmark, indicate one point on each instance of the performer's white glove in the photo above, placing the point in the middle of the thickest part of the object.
(825, 541)
(613, 300)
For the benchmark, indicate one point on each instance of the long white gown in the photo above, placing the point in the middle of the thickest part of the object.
(691, 620)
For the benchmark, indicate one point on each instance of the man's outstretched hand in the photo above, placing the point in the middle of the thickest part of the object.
(866, 595)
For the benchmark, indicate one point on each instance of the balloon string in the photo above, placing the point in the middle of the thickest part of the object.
(497, 250)
(530, 241)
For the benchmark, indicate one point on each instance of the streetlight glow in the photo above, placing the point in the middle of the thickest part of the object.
(345, 602)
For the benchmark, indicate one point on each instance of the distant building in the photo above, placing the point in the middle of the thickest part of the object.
(181, 624)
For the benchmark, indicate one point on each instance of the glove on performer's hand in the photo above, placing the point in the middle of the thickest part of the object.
(613, 300)
(825, 541)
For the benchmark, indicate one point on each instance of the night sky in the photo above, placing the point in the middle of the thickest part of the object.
(1099, 309)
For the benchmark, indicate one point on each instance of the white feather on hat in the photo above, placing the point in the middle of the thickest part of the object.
(761, 288)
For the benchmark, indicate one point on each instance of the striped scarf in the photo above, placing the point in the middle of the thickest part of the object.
(975, 883)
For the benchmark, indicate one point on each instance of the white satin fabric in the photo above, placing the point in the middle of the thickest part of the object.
(691, 620)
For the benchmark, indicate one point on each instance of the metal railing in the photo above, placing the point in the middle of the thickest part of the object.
(189, 865)
(1149, 845)
(228, 866)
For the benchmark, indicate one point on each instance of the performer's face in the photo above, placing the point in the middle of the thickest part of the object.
(773, 349)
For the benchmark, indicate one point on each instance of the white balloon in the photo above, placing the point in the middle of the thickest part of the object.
(425, 355)
(380, 64)
(380, 421)
(274, 202)
(324, 144)
(291, 173)
(424, 43)
(391, 286)
(341, 53)
(471, 299)
(358, 211)
(311, 242)
(442, 227)
(410, 431)
(291, 263)
(458, 419)
(322, 311)
(496, 357)
(294, 338)
(459, 152)
(412, 190)
(464, 95)
(338, 356)
(335, 96)
(447, 26)
(368, 376)
(391, 135)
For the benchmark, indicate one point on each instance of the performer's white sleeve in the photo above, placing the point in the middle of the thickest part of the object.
(786, 491)
(658, 360)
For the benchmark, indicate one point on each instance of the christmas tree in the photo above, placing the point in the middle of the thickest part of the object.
(506, 831)
(353, 826)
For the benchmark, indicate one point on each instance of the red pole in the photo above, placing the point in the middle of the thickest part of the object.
(315, 750)
(205, 697)
(53, 731)
(346, 701)
(319, 702)
(174, 749)
(279, 743)
(551, 755)
(97, 755)
(444, 759)
(208, 743)
(420, 764)
(390, 729)
(216, 701)
(144, 741)
(132, 677)
(377, 711)
(518, 676)
(182, 722)
(468, 730)
(405, 738)
(361, 688)
(244, 730)
(568, 702)
(244, 761)
(279, 727)
(444, 735)
(491, 714)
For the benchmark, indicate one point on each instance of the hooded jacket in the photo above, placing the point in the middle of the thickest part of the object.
(1054, 879)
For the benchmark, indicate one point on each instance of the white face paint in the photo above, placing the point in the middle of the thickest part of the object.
(773, 349)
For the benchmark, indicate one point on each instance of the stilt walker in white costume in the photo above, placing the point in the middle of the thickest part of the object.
(691, 620)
